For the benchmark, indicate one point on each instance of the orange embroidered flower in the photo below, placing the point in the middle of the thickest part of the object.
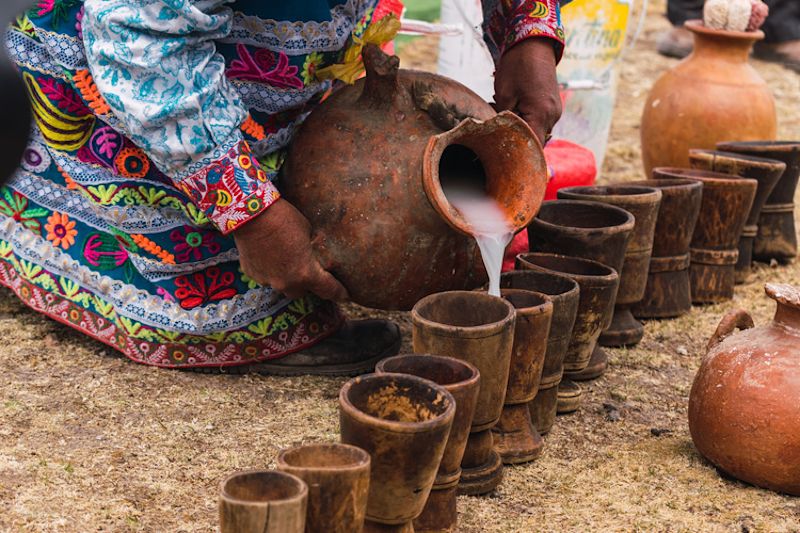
(61, 230)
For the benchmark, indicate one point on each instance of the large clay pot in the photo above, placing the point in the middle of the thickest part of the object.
(765, 171)
(777, 236)
(565, 295)
(262, 501)
(643, 203)
(403, 422)
(713, 95)
(365, 169)
(668, 292)
(744, 406)
(591, 230)
(727, 200)
(479, 329)
(462, 380)
(515, 438)
(337, 476)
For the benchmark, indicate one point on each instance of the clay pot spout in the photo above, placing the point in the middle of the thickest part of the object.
(503, 152)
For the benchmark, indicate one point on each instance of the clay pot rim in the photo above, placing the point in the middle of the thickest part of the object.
(540, 309)
(698, 27)
(606, 278)
(300, 485)
(784, 294)
(465, 332)
(672, 183)
(708, 177)
(756, 162)
(574, 287)
(639, 195)
(472, 380)
(434, 151)
(580, 230)
(361, 459)
(397, 426)
(760, 146)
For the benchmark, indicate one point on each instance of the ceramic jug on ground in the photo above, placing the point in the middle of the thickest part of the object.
(726, 201)
(462, 380)
(643, 203)
(262, 501)
(515, 437)
(403, 422)
(337, 476)
(744, 406)
(777, 236)
(713, 95)
(479, 329)
(766, 172)
(668, 291)
(590, 230)
(366, 168)
(565, 295)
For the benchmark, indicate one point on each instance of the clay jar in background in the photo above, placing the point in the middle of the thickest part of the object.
(380, 216)
(643, 203)
(462, 380)
(744, 406)
(598, 284)
(515, 438)
(565, 294)
(262, 501)
(479, 329)
(591, 230)
(337, 476)
(403, 422)
(765, 171)
(777, 236)
(668, 292)
(727, 200)
(712, 96)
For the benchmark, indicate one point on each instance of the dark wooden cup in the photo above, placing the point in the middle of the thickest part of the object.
(643, 203)
(262, 501)
(564, 293)
(766, 172)
(462, 380)
(403, 422)
(668, 292)
(726, 202)
(337, 476)
(777, 235)
(479, 329)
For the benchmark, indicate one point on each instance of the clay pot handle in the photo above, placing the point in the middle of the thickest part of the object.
(736, 319)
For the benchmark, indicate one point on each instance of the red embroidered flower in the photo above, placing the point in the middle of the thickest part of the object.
(189, 243)
(201, 288)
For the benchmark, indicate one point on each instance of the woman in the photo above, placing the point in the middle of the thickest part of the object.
(146, 211)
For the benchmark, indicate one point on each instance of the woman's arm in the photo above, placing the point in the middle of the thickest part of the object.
(526, 40)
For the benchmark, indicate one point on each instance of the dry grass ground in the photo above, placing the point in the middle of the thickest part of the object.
(91, 442)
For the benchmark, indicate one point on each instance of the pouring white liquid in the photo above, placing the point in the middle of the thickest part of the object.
(491, 228)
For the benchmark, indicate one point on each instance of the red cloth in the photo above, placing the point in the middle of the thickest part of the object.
(569, 165)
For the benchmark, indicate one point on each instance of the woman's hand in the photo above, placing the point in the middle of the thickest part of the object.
(525, 83)
(275, 250)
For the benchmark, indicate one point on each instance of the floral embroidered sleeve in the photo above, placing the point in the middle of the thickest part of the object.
(155, 62)
(507, 22)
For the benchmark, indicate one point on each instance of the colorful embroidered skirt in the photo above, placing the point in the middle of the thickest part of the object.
(93, 235)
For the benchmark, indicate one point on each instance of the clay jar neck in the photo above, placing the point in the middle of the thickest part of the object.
(788, 316)
(719, 45)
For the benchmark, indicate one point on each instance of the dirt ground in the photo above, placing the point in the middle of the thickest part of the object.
(92, 442)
